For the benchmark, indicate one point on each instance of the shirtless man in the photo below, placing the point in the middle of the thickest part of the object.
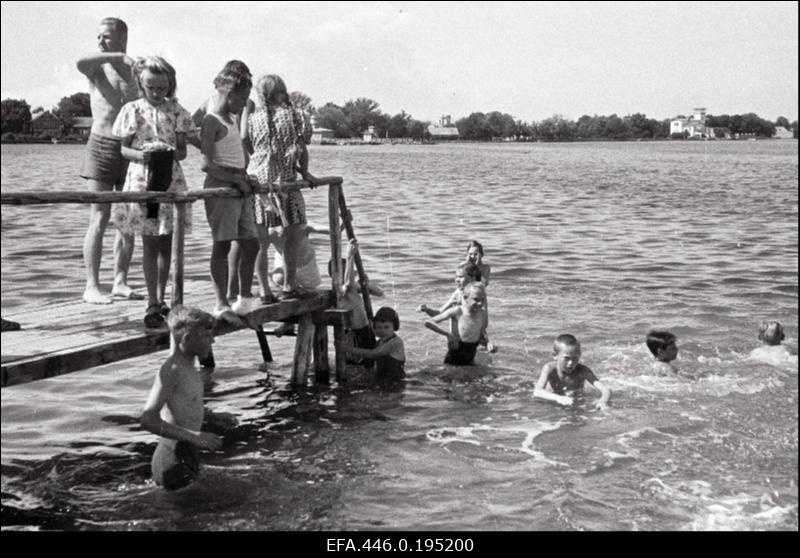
(111, 85)
(468, 321)
(174, 408)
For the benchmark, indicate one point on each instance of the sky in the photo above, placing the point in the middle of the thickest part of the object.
(529, 59)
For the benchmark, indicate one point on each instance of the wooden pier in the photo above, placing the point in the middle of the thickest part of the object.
(61, 338)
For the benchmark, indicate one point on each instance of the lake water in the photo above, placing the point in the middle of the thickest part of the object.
(602, 240)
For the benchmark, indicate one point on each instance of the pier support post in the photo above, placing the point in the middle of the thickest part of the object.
(303, 349)
(322, 371)
(334, 195)
(178, 241)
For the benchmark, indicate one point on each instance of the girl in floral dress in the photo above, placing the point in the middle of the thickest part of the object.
(150, 126)
(278, 134)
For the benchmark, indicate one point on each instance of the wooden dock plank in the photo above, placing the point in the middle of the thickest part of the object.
(68, 336)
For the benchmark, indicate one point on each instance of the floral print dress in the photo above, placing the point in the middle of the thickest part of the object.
(275, 154)
(149, 125)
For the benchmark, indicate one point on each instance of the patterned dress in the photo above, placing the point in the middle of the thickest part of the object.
(275, 154)
(150, 125)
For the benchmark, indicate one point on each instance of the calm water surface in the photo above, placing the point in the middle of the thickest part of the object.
(602, 240)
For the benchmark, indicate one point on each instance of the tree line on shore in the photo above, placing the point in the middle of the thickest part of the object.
(352, 119)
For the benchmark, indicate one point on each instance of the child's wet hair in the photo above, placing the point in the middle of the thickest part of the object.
(474, 286)
(477, 245)
(658, 340)
(771, 333)
(156, 65)
(182, 319)
(386, 314)
(566, 340)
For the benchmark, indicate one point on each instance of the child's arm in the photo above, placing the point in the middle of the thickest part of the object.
(453, 300)
(452, 340)
(375, 290)
(539, 391)
(427, 310)
(302, 164)
(208, 136)
(382, 350)
(133, 154)
(605, 393)
(163, 387)
(197, 119)
(180, 141)
(349, 280)
(484, 339)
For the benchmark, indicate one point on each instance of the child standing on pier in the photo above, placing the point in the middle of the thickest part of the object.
(174, 409)
(278, 133)
(229, 218)
(153, 130)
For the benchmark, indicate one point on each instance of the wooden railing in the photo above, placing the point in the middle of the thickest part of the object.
(337, 213)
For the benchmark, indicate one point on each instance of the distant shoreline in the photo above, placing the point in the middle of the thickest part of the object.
(346, 142)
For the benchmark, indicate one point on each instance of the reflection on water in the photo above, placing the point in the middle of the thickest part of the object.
(602, 240)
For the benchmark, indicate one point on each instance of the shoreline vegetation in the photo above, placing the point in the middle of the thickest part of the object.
(22, 139)
(361, 122)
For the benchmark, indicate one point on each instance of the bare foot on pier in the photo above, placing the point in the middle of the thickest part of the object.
(124, 291)
(92, 295)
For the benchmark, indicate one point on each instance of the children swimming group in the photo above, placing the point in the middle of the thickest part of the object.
(138, 142)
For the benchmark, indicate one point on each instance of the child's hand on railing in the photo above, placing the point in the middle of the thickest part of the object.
(312, 180)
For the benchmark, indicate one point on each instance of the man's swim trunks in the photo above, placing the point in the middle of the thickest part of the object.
(103, 161)
(464, 354)
(185, 470)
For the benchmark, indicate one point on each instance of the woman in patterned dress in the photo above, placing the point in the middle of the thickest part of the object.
(278, 134)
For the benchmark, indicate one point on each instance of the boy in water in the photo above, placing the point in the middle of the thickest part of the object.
(772, 351)
(466, 273)
(174, 408)
(664, 347)
(566, 375)
(467, 324)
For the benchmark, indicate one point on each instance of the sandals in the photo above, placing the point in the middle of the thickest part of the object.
(269, 299)
(153, 316)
